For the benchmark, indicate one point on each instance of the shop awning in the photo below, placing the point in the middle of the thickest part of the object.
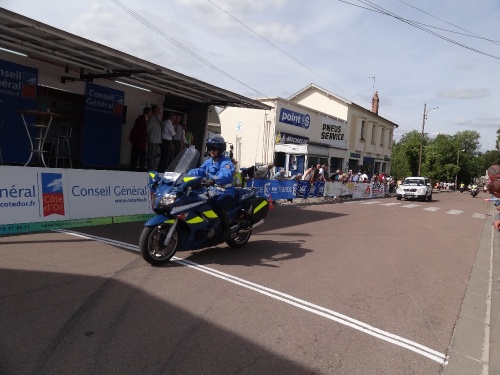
(82, 59)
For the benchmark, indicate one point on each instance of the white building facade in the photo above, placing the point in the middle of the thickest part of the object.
(312, 126)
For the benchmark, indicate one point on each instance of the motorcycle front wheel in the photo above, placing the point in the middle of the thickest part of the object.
(151, 244)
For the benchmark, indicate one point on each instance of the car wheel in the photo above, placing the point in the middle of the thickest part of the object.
(398, 197)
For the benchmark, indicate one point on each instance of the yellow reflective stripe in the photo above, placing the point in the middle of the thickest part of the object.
(171, 221)
(152, 175)
(186, 179)
(195, 220)
(260, 206)
(210, 214)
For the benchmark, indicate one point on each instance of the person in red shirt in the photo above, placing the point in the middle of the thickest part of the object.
(138, 138)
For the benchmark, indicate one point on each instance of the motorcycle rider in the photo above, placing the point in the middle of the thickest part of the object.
(462, 186)
(473, 189)
(218, 170)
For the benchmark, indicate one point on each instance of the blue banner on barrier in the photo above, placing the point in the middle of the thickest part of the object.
(287, 189)
(303, 189)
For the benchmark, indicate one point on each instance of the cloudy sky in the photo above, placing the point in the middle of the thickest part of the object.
(442, 53)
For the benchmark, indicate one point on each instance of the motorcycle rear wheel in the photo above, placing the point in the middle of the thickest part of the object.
(151, 244)
(240, 240)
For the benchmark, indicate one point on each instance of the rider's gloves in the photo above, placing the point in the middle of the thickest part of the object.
(210, 182)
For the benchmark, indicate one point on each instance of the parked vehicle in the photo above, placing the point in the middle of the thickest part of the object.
(185, 217)
(415, 188)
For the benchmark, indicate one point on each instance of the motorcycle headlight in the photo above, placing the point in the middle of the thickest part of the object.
(167, 200)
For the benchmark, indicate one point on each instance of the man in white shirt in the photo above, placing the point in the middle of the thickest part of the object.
(167, 148)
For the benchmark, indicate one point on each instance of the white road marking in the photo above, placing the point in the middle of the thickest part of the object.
(411, 205)
(390, 204)
(432, 208)
(370, 202)
(479, 216)
(454, 212)
(304, 305)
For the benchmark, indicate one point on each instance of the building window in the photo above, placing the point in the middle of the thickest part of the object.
(374, 129)
(382, 136)
(390, 140)
(363, 130)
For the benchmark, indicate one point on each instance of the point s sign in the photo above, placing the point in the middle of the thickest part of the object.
(294, 118)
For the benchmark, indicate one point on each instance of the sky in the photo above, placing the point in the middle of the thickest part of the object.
(413, 52)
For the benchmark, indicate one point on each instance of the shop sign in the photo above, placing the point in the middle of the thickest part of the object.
(368, 159)
(355, 155)
(294, 118)
(333, 132)
(287, 138)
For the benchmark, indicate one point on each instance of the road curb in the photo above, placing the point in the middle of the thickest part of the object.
(475, 336)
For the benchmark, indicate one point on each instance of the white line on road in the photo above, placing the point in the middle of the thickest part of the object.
(411, 205)
(479, 216)
(454, 212)
(432, 209)
(390, 204)
(304, 305)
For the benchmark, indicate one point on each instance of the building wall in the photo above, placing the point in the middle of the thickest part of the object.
(250, 133)
(378, 146)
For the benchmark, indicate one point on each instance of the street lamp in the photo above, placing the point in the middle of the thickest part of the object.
(422, 136)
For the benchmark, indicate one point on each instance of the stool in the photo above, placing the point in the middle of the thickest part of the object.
(61, 148)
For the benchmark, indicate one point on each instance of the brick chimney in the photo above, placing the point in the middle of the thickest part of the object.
(375, 102)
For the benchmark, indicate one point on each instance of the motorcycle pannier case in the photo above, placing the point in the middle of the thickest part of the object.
(257, 209)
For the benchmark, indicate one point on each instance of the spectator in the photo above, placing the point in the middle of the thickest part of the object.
(247, 174)
(154, 138)
(494, 190)
(167, 147)
(189, 137)
(237, 178)
(364, 177)
(280, 175)
(316, 173)
(321, 173)
(178, 139)
(356, 177)
(139, 140)
(309, 174)
(263, 172)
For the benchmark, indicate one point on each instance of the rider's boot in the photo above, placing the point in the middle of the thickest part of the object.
(226, 230)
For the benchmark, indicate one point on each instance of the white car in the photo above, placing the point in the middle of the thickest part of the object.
(415, 188)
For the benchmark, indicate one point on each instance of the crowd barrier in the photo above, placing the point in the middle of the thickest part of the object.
(290, 189)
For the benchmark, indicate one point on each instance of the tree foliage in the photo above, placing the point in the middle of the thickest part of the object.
(444, 158)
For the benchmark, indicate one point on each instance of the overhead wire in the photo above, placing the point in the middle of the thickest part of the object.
(411, 23)
(181, 46)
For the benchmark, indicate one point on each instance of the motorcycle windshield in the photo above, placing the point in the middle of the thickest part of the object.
(184, 161)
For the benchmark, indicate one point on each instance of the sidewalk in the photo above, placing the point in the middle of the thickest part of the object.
(475, 343)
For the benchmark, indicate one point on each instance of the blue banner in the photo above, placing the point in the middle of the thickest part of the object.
(287, 189)
(102, 126)
(18, 84)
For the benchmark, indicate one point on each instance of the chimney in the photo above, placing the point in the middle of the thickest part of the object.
(375, 102)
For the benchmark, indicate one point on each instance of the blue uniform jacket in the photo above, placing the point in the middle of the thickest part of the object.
(221, 171)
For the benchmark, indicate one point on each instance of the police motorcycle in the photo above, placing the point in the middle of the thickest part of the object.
(185, 217)
(474, 190)
(461, 188)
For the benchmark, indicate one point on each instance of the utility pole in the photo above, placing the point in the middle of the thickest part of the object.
(421, 142)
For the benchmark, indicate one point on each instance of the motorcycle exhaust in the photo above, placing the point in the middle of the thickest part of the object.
(257, 224)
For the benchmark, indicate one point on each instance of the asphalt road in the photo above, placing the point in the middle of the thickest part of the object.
(362, 287)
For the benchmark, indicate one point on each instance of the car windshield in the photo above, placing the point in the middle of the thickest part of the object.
(413, 181)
